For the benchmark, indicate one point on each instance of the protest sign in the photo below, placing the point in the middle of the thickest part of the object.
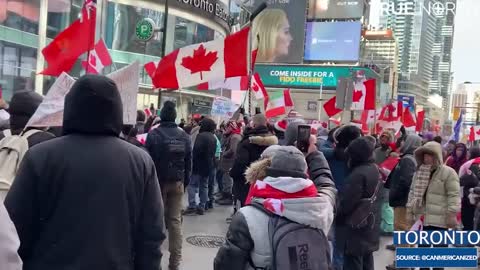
(223, 107)
(50, 111)
(127, 82)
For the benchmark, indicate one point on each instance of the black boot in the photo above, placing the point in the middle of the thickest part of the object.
(226, 200)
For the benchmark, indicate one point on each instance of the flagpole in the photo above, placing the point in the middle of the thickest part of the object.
(320, 102)
(164, 41)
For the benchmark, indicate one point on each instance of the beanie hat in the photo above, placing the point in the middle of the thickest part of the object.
(281, 125)
(286, 161)
(168, 112)
(346, 134)
(360, 150)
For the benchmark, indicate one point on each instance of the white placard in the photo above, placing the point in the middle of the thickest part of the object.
(127, 82)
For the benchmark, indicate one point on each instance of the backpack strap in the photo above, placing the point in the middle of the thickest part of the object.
(29, 133)
(259, 207)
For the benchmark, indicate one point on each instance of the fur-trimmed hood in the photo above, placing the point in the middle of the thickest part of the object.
(264, 140)
(257, 170)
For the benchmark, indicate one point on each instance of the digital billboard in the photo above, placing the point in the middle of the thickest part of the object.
(335, 9)
(333, 41)
(280, 29)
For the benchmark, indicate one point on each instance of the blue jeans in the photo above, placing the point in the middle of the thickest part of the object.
(198, 184)
(219, 177)
(211, 185)
(339, 247)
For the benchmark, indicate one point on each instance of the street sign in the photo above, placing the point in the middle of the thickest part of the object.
(145, 29)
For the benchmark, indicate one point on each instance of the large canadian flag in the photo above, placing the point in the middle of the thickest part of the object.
(98, 58)
(258, 88)
(234, 83)
(474, 133)
(204, 62)
(364, 95)
(370, 116)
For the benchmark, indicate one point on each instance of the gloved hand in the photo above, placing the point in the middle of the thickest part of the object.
(451, 220)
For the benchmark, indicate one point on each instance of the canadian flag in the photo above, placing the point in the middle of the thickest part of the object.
(234, 83)
(474, 133)
(420, 118)
(408, 119)
(204, 62)
(258, 88)
(364, 94)
(391, 112)
(148, 113)
(330, 107)
(150, 68)
(98, 58)
(370, 116)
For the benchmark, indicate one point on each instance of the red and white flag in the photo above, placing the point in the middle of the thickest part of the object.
(330, 107)
(370, 116)
(99, 58)
(420, 118)
(148, 113)
(408, 119)
(391, 112)
(204, 62)
(150, 68)
(234, 83)
(363, 97)
(278, 103)
(474, 133)
(258, 88)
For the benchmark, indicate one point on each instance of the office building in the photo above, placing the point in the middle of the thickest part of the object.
(379, 50)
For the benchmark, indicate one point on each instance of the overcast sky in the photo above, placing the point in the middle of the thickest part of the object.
(466, 47)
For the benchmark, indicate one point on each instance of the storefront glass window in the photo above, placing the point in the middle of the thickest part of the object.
(17, 68)
(61, 13)
(20, 14)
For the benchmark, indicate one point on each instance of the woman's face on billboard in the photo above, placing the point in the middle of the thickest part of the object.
(283, 39)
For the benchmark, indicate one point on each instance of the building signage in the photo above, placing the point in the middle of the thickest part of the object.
(214, 9)
(144, 29)
(306, 76)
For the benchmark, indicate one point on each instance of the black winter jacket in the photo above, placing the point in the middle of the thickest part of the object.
(156, 137)
(235, 253)
(88, 200)
(204, 149)
(400, 180)
(360, 183)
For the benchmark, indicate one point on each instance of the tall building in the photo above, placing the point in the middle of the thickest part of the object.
(379, 49)
(415, 27)
(442, 53)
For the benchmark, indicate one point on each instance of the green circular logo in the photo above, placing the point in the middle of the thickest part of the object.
(144, 29)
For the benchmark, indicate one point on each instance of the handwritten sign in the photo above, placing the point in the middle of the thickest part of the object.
(127, 82)
(223, 107)
(50, 111)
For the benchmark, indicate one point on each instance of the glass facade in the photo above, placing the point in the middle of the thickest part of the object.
(19, 36)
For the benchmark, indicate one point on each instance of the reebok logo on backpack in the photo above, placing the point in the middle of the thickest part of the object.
(12, 151)
(296, 246)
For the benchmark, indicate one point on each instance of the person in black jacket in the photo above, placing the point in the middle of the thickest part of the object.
(399, 182)
(88, 200)
(468, 181)
(362, 182)
(203, 163)
(254, 142)
(171, 151)
(22, 107)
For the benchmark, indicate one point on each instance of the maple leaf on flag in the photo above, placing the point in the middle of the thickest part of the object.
(357, 95)
(93, 60)
(478, 132)
(200, 61)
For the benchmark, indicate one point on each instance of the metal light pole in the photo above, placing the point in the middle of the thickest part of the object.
(164, 43)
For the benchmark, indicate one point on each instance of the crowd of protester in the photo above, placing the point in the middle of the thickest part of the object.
(92, 195)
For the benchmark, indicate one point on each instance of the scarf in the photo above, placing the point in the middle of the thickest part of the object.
(422, 178)
(275, 189)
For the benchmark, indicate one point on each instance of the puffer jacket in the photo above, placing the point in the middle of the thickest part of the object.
(247, 237)
(443, 193)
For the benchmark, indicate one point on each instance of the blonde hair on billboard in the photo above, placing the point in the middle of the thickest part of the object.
(266, 26)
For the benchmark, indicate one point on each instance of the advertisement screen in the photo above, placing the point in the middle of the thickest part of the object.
(280, 29)
(332, 41)
(335, 9)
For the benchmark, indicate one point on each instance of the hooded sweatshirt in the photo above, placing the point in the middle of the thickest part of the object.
(88, 200)
(204, 149)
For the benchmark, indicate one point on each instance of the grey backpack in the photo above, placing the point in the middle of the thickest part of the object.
(296, 246)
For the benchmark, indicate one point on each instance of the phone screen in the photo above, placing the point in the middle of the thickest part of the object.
(303, 139)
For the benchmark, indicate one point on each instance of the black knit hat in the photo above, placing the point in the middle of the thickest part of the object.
(168, 112)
